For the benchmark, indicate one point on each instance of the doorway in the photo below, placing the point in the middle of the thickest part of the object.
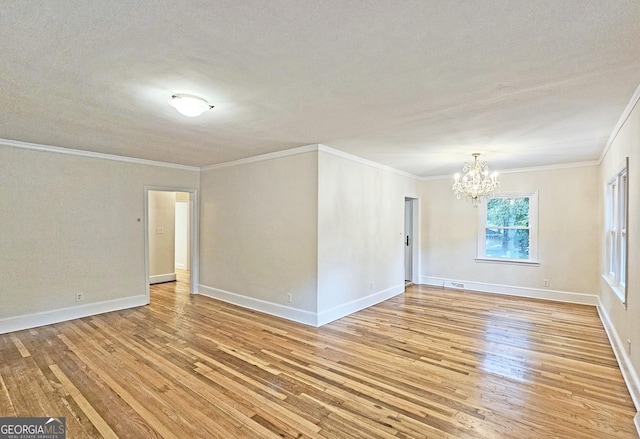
(171, 237)
(410, 237)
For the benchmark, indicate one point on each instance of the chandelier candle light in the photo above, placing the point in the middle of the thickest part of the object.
(476, 183)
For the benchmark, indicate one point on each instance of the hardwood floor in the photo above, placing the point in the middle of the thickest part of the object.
(430, 363)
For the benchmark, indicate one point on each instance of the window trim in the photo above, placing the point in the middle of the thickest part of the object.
(616, 236)
(533, 230)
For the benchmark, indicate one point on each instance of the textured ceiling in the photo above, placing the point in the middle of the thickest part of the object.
(416, 85)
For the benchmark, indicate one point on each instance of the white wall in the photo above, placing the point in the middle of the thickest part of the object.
(259, 234)
(70, 225)
(569, 230)
(625, 321)
(317, 224)
(360, 234)
(162, 239)
(182, 231)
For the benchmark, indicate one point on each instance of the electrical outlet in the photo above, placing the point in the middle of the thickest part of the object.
(628, 347)
(371, 285)
(546, 283)
(289, 297)
(79, 297)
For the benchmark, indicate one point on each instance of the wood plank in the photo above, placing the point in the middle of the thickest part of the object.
(23, 351)
(6, 405)
(429, 363)
(85, 406)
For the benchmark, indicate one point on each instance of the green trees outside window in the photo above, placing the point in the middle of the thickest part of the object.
(507, 228)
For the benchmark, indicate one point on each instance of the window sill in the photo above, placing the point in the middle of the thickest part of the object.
(509, 261)
(617, 290)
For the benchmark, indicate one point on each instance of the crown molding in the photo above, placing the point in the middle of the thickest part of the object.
(93, 155)
(254, 159)
(623, 119)
(304, 150)
(552, 167)
(307, 149)
(531, 169)
(355, 158)
(263, 157)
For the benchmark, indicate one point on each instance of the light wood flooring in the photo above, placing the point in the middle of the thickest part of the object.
(430, 363)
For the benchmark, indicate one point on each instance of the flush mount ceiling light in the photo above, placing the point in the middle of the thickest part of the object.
(476, 183)
(189, 105)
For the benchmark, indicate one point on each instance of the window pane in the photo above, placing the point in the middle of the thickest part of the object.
(623, 202)
(616, 246)
(623, 259)
(507, 243)
(506, 212)
(612, 252)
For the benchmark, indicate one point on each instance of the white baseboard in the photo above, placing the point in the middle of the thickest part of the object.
(299, 315)
(533, 293)
(274, 309)
(181, 266)
(18, 323)
(159, 278)
(626, 367)
(345, 309)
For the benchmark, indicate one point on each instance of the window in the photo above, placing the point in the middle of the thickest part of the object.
(508, 228)
(616, 232)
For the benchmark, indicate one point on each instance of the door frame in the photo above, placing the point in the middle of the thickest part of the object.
(414, 204)
(194, 237)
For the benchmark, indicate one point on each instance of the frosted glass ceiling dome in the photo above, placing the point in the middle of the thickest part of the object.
(189, 105)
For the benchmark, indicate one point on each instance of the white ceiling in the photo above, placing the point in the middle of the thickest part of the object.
(416, 85)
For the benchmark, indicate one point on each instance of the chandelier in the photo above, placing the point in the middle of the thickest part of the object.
(476, 182)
